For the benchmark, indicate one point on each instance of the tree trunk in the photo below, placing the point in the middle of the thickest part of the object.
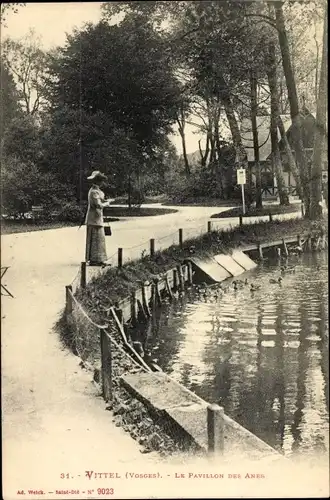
(233, 125)
(181, 123)
(276, 160)
(254, 110)
(212, 150)
(204, 156)
(291, 161)
(320, 133)
(296, 118)
(236, 134)
(218, 172)
(275, 113)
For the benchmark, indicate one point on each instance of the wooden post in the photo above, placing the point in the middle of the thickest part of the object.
(141, 310)
(323, 241)
(120, 257)
(285, 248)
(144, 301)
(190, 273)
(152, 247)
(302, 210)
(168, 287)
(215, 429)
(133, 306)
(261, 256)
(83, 275)
(68, 299)
(278, 250)
(180, 277)
(317, 244)
(106, 357)
(153, 296)
(241, 220)
(119, 313)
(181, 237)
(299, 240)
(309, 243)
(209, 226)
(175, 279)
(157, 292)
(270, 217)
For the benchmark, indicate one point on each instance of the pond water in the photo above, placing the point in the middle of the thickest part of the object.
(261, 355)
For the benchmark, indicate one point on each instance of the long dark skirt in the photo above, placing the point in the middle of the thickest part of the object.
(95, 244)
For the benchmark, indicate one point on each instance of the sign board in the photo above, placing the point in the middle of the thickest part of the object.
(241, 176)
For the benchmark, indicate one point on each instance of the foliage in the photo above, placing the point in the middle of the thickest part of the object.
(120, 122)
(24, 185)
(21, 139)
(202, 182)
(71, 212)
(10, 108)
(92, 70)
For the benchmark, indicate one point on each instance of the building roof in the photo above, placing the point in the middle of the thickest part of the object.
(263, 126)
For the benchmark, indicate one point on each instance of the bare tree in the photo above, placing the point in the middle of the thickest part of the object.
(26, 62)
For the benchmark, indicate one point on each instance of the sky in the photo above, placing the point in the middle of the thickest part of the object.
(51, 20)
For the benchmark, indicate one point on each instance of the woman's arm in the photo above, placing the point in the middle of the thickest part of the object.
(95, 200)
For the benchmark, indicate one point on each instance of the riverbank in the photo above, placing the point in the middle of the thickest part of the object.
(118, 283)
(97, 300)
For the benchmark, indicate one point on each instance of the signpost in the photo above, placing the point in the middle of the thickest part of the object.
(241, 179)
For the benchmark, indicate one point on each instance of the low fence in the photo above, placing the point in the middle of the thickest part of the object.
(105, 350)
(149, 247)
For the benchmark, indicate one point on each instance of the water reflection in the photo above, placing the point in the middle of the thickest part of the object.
(261, 355)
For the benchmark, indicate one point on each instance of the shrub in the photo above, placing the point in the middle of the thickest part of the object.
(72, 212)
(24, 185)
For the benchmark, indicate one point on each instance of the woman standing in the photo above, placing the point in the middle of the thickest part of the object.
(96, 253)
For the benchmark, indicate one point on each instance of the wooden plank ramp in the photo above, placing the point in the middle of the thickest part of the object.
(209, 269)
(243, 260)
(229, 264)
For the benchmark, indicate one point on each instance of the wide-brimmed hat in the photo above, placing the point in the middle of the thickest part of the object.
(97, 175)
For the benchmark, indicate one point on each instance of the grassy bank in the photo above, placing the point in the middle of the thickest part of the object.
(25, 226)
(203, 202)
(117, 284)
(122, 200)
(256, 212)
(28, 226)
